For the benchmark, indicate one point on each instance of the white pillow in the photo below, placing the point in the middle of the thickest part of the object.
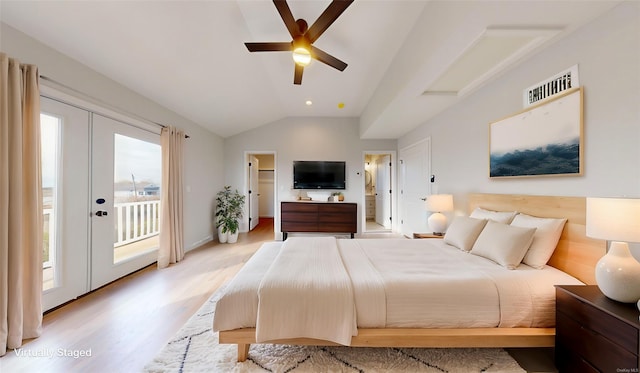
(545, 240)
(504, 244)
(463, 231)
(498, 216)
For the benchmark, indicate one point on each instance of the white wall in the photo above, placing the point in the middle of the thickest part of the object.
(203, 151)
(608, 54)
(292, 139)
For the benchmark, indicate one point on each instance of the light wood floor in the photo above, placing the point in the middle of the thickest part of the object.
(126, 323)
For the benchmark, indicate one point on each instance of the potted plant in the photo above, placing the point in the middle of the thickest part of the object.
(229, 207)
(337, 196)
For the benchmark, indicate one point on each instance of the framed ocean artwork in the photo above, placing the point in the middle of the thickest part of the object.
(543, 140)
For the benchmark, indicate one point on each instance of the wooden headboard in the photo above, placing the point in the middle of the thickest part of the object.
(576, 254)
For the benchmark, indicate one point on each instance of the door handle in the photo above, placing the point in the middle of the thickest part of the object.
(101, 213)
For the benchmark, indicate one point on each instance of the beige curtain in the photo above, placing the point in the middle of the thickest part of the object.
(171, 223)
(20, 204)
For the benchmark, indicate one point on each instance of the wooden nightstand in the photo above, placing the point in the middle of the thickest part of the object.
(595, 333)
(426, 235)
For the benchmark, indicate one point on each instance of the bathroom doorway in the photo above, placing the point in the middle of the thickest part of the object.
(378, 206)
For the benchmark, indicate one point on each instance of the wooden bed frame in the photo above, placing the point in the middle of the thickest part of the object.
(575, 254)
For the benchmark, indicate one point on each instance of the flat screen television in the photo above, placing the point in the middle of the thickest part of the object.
(319, 175)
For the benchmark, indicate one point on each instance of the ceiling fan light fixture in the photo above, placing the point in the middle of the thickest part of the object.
(301, 56)
(303, 37)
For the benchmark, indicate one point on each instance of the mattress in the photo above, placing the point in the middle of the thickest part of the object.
(400, 283)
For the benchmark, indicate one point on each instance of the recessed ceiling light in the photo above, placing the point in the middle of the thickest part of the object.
(341, 105)
(309, 102)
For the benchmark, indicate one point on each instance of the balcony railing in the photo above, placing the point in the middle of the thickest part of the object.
(49, 220)
(136, 221)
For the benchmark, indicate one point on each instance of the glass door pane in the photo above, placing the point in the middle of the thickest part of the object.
(136, 200)
(50, 151)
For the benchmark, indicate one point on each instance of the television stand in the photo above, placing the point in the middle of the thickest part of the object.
(325, 217)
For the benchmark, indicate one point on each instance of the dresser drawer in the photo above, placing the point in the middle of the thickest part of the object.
(338, 208)
(299, 226)
(299, 207)
(336, 227)
(602, 353)
(334, 218)
(617, 331)
(292, 216)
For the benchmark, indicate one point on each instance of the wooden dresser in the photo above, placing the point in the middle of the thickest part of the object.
(595, 333)
(328, 217)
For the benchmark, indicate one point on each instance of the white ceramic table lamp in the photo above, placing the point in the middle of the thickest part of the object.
(437, 204)
(618, 220)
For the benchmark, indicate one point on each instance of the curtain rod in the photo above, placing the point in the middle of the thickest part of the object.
(98, 101)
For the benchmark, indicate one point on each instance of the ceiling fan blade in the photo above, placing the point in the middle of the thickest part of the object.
(269, 47)
(325, 57)
(297, 74)
(333, 11)
(287, 17)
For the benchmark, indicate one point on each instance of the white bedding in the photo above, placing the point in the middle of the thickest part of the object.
(414, 284)
(297, 299)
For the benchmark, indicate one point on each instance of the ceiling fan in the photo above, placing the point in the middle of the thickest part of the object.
(304, 37)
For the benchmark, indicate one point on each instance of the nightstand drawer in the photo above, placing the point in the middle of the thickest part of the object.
(598, 321)
(602, 353)
(569, 361)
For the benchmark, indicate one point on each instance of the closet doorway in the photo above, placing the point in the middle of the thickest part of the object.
(378, 207)
(260, 187)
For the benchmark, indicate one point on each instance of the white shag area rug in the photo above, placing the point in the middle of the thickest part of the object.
(195, 348)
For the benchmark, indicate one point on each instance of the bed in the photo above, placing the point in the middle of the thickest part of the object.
(401, 318)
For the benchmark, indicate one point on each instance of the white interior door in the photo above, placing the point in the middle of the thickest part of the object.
(383, 191)
(414, 176)
(254, 192)
(125, 199)
(65, 175)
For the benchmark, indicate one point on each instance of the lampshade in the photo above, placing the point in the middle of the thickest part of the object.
(439, 203)
(615, 219)
(618, 220)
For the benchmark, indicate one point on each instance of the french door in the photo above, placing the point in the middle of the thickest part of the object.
(65, 173)
(126, 164)
(101, 183)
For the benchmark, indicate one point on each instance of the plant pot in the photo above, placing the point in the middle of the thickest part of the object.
(222, 237)
(233, 237)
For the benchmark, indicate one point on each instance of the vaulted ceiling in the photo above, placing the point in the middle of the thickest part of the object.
(407, 60)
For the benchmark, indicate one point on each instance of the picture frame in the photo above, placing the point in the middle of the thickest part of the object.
(542, 140)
